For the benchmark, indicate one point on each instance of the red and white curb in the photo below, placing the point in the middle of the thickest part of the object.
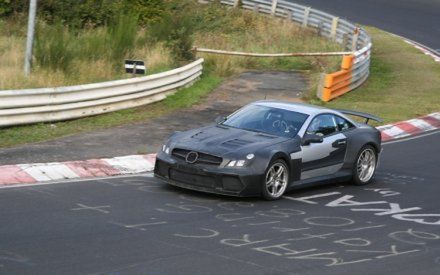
(410, 127)
(28, 174)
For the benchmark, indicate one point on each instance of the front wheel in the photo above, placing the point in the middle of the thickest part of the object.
(365, 165)
(275, 180)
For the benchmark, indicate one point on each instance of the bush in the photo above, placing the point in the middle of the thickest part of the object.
(149, 10)
(81, 13)
(176, 31)
(5, 7)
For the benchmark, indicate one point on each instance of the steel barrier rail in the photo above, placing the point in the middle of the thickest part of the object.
(355, 68)
(63, 103)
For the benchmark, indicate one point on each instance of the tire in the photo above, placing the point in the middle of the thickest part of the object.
(274, 185)
(365, 165)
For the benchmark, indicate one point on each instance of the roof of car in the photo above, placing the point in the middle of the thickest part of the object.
(294, 106)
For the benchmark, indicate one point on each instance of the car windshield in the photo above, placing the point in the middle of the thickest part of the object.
(269, 120)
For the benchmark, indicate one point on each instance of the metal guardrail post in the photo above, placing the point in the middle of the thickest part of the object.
(320, 88)
(345, 40)
(274, 7)
(255, 8)
(236, 3)
(335, 22)
(355, 39)
(306, 16)
(320, 28)
(289, 14)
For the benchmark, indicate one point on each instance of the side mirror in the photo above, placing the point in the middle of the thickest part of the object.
(220, 119)
(310, 138)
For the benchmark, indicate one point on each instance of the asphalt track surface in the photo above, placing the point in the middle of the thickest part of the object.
(139, 225)
(418, 20)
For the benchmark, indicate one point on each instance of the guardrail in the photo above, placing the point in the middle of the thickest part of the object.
(355, 68)
(63, 103)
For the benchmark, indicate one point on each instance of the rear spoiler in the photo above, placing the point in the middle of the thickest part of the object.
(360, 114)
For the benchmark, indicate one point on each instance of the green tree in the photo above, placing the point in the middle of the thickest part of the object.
(5, 7)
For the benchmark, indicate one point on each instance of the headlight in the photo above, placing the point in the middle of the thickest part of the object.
(237, 163)
(240, 162)
(166, 149)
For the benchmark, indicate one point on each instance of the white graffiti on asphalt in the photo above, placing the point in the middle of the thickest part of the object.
(391, 209)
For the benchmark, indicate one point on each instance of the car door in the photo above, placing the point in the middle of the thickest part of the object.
(327, 157)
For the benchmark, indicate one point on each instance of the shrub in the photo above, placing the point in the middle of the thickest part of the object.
(149, 10)
(176, 31)
(80, 13)
(5, 7)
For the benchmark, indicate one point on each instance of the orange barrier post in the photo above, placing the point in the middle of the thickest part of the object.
(338, 83)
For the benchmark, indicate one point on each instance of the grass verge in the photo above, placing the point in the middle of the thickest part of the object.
(404, 83)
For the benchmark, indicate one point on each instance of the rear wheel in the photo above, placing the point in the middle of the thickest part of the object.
(275, 180)
(365, 165)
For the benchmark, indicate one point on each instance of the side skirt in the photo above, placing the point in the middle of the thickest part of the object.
(340, 176)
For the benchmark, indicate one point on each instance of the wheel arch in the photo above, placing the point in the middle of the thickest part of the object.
(372, 144)
(283, 156)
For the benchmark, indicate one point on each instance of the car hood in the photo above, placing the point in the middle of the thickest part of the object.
(223, 141)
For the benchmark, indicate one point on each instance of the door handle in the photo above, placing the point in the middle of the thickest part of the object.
(339, 143)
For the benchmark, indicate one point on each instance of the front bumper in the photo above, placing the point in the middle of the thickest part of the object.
(243, 182)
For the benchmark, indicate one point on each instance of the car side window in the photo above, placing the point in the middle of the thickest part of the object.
(323, 125)
(343, 124)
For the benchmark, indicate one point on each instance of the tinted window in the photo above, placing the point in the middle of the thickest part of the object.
(268, 120)
(322, 125)
(343, 124)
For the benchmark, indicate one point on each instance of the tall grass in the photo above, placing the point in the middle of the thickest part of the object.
(122, 36)
(55, 46)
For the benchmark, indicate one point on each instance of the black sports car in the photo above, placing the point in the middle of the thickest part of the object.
(268, 147)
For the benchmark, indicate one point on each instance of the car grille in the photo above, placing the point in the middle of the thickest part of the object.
(202, 159)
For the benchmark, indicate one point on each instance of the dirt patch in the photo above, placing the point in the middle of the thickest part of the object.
(147, 137)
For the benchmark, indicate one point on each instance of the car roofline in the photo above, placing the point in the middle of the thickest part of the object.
(304, 108)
